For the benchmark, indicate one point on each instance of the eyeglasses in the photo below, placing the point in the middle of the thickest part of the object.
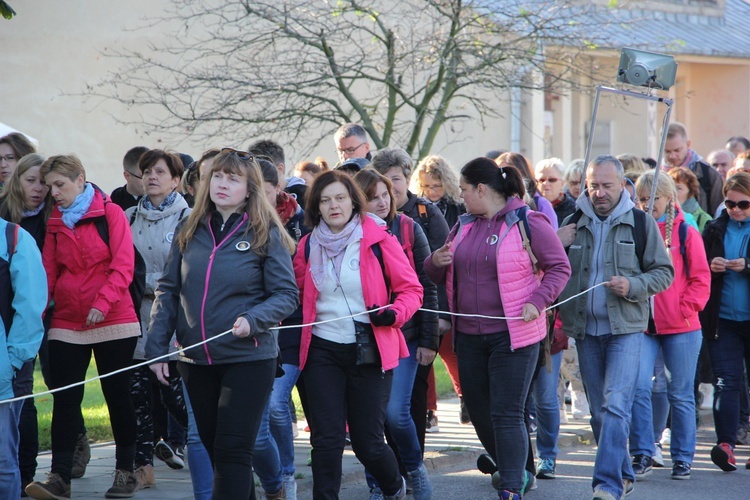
(242, 155)
(133, 174)
(550, 180)
(8, 158)
(742, 205)
(436, 187)
(717, 164)
(644, 201)
(574, 183)
(350, 151)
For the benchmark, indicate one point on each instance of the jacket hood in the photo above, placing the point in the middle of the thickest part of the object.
(625, 205)
(96, 209)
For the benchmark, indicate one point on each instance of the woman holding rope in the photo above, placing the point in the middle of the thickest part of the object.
(229, 270)
(515, 258)
(347, 266)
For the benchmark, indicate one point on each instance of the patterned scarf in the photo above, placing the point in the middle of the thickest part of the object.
(325, 245)
(32, 213)
(79, 207)
(168, 201)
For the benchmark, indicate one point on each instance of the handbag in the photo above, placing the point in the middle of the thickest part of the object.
(367, 347)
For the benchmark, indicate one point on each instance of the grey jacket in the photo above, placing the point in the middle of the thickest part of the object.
(617, 258)
(208, 286)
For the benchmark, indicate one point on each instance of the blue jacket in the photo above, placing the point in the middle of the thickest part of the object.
(20, 340)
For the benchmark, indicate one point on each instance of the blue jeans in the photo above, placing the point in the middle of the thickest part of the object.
(280, 417)
(10, 475)
(266, 462)
(659, 397)
(201, 470)
(727, 361)
(495, 382)
(680, 353)
(609, 370)
(547, 408)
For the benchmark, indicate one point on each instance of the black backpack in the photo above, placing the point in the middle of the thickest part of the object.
(137, 287)
(6, 300)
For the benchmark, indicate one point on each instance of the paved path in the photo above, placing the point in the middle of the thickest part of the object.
(455, 445)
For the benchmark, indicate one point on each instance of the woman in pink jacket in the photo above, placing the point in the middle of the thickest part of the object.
(347, 265)
(676, 330)
(514, 257)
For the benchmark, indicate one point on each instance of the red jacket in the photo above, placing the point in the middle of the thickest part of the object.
(82, 272)
(676, 308)
(402, 278)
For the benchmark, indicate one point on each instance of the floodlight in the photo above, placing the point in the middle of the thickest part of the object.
(646, 69)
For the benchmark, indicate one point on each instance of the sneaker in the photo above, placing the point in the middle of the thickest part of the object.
(545, 469)
(145, 476)
(642, 465)
(432, 422)
(600, 494)
(54, 487)
(486, 464)
(400, 494)
(290, 484)
(658, 458)
(743, 434)
(680, 470)
(279, 495)
(376, 494)
(531, 425)
(529, 482)
(563, 416)
(295, 431)
(81, 457)
(579, 406)
(627, 487)
(179, 451)
(508, 495)
(666, 437)
(464, 417)
(419, 483)
(164, 452)
(124, 486)
(723, 456)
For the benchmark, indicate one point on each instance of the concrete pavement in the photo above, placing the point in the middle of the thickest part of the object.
(454, 445)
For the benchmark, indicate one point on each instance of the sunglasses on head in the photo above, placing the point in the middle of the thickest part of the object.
(742, 205)
(242, 155)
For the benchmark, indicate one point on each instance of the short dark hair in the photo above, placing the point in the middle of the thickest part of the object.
(387, 158)
(735, 139)
(322, 181)
(270, 149)
(268, 171)
(150, 157)
(20, 145)
(130, 160)
(506, 181)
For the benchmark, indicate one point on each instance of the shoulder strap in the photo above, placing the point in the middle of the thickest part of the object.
(422, 209)
(135, 214)
(102, 226)
(11, 237)
(576, 216)
(525, 230)
(705, 179)
(683, 232)
(639, 234)
(182, 213)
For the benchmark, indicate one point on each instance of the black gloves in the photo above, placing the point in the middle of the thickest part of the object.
(384, 317)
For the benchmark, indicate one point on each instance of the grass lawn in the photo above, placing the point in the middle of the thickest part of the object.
(96, 416)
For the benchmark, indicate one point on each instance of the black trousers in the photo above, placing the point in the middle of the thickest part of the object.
(68, 364)
(228, 402)
(339, 391)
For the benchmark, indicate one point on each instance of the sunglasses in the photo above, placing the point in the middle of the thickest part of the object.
(242, 155)
(742, 205)
(550, 180)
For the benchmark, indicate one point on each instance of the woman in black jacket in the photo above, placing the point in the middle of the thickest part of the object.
(229, 268)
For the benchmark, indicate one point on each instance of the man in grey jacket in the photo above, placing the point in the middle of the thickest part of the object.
(608, 322)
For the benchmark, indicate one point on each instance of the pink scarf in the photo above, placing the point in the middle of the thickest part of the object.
(325, 245)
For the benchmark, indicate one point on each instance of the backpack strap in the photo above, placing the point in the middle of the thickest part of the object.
(705, 179)
(11, 238)
(639, 234)
(525, 230)
(406, 237)
(683, 232)
(422, 210)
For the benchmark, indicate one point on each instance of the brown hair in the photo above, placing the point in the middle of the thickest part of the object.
(152, 156)
(367, 179)
(12, 201)
(18, 142)
(322, 181)
(739, 182)
(261, 216)
(687, 177)
(66, 165)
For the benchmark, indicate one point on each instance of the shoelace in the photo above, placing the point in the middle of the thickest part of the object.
(547, 464)
(121, 479)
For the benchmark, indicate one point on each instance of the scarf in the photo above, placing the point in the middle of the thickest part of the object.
(286, 207)
(325, 245)
(32, 213)
(79, 207)
(166, 203)
(691, 205)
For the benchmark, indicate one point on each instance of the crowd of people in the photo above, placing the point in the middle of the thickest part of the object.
(224, 283)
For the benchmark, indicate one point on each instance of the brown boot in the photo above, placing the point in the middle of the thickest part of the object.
(53, 488)
(145, 476)
(81, 457)
(124, 486)
(279, 495)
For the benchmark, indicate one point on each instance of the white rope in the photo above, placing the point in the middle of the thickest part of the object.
(215, 337)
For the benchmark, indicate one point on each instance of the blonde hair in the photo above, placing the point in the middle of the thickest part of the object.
(262, 217)
(69, 166)
(631, 163)
(12, 200)
(438, 167)
(664, 188)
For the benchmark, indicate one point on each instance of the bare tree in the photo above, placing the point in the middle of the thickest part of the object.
(297, 69)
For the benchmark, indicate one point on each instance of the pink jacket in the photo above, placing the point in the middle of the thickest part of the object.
(403, 281)
(676, 308)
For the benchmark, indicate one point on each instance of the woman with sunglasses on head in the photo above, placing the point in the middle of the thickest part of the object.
(676, 332)
(420, 332)
(347, 265)
(88, 279)
(726, 317)
(229, 269)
